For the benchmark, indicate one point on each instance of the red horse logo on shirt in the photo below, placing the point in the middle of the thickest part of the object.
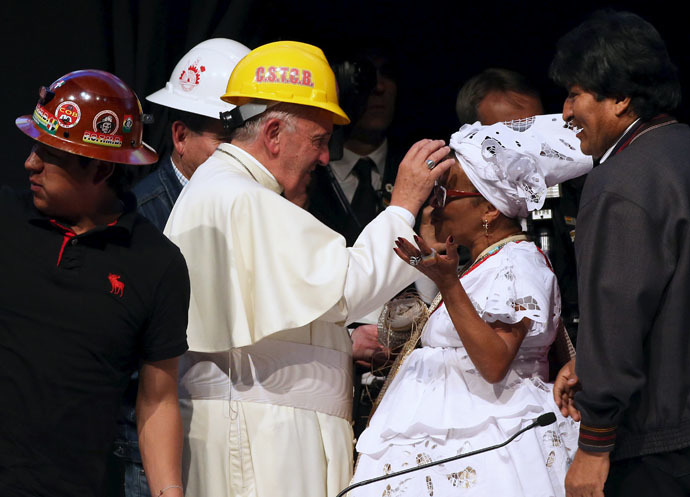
(118, 287)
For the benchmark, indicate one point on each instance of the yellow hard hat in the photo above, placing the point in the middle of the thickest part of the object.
(286, 71)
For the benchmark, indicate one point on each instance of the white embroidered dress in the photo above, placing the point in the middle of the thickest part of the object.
(439, 405)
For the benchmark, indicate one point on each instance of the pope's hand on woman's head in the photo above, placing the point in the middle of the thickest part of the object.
(416, 177)
(442, 269)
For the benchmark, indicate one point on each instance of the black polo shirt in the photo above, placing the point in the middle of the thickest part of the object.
(78, 314)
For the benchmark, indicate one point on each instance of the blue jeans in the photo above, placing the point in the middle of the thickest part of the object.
(135, 480)
(126, 445)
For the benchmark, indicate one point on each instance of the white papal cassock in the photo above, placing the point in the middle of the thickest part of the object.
(266, 388)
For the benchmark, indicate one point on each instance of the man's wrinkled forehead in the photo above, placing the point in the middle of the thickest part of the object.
(315, 120)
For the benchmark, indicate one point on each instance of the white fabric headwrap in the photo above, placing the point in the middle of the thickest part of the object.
(512, 163)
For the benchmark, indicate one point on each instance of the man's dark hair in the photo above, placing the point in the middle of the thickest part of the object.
(122, 179)
(195, 122)
(477, 87)
(618, 55)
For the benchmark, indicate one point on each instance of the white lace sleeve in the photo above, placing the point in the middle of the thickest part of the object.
(522, 286)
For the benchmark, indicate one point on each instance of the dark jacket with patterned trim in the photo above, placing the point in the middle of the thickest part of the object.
(633, 259)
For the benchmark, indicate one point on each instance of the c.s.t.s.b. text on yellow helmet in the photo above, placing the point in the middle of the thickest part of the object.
(283, 71)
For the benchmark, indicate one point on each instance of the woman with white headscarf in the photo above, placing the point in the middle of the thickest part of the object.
(481, 371)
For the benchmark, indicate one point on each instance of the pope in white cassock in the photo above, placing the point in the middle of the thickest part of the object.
(266, 388)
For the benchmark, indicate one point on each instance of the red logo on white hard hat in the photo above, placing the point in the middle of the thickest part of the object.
(68, 114)
(106, 122)
(189, 79)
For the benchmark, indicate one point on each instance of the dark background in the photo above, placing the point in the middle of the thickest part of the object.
(438, 46)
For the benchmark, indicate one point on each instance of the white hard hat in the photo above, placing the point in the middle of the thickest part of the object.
(200, 78)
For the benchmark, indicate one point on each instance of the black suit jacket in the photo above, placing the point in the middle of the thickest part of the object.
(328, 203)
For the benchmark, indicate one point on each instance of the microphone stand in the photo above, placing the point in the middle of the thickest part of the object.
(543, 420)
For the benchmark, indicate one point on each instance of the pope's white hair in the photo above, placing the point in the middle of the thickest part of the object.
(286, 112)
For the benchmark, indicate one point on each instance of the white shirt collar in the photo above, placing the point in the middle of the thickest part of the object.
(178, 174)
(608, 152)
(343, 167)
(252, 158)
(261, 174)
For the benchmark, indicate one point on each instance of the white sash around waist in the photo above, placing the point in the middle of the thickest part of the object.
(273, 372)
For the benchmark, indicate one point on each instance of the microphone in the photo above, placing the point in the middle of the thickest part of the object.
(543, 420)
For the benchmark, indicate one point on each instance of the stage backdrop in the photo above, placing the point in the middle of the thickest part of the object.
(437, 45)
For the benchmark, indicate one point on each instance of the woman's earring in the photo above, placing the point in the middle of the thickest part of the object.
(485, 224)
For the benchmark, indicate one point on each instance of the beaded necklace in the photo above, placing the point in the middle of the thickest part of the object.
(489, 251)
(471, 266)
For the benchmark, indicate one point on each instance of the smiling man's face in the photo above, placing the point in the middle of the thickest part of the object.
(599, 119)
(305, 148)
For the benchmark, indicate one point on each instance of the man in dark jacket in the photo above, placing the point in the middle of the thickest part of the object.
(633, 259)
(193, 104)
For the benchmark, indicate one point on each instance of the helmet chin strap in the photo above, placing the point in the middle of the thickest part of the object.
(235, 118)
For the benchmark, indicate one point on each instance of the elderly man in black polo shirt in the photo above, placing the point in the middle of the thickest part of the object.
(90, 292)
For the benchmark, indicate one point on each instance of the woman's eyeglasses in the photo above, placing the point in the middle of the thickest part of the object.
(440, 195)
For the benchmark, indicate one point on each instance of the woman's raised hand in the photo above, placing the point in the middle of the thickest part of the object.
(442, 269)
